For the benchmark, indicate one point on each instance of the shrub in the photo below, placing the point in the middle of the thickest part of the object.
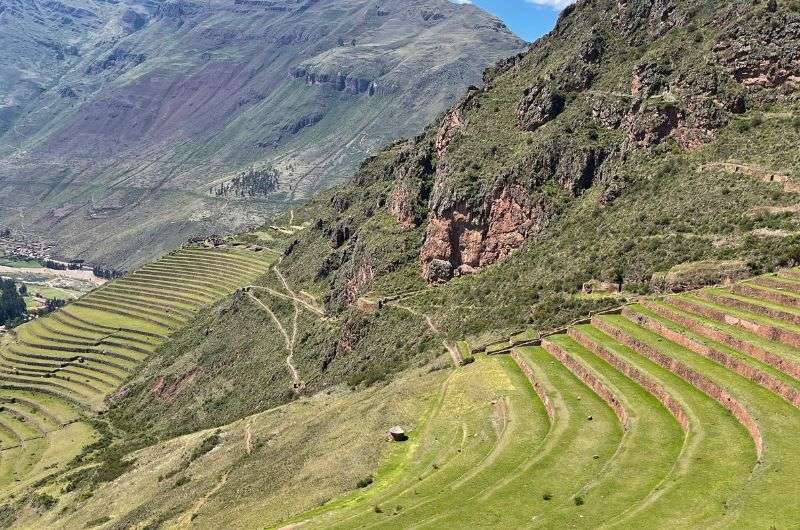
(364, 482)
(97, 522)
(43, 502)
(205, 446)
(468, 360)
(547, 496)
(579, 501)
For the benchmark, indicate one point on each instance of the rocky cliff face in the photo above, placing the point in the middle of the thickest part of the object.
(556, 121)
(152, 105)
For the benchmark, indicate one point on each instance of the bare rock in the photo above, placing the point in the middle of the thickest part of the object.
(339, 234)
(438, 270)
(540, 105)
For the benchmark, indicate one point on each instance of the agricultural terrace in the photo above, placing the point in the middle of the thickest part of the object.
(56, 371)
(677, 412)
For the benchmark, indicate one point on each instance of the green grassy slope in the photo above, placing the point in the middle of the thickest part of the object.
(58, 372)
(617, 423)
(678, 439)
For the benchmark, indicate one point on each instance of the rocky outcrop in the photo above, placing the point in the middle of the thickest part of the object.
(639, 21)
(539, 105)
(302, 122)
(168, 390)
(403, 202)
(342, 82)
(452, 123)
(648, 124)
(339, 233)
(118, 61)
(412, 184)
(459, 240)
(764, 53)
(133, 21)
(688, 105)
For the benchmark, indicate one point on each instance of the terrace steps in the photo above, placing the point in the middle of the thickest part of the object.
(60, 367)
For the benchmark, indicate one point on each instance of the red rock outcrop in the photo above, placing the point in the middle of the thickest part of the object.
(452, 123)
(468, 239)
(163, 390)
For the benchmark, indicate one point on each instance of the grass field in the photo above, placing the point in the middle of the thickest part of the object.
(57, 372)
(674, 412)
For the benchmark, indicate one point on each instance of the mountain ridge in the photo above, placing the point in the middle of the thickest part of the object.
(145, 107)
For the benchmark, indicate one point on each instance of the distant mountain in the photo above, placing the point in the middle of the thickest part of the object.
(128, 126)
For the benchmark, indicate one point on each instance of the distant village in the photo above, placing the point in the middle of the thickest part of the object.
(27, 249)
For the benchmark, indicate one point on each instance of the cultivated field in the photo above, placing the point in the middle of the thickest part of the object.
(675, 412)
(56, 372)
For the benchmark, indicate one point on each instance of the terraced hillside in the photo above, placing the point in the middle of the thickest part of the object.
(57, 371)
(675, 412)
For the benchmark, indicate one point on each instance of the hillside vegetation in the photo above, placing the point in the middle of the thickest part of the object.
(671, 164)
(127, 127)
(576, 290)
(673, 411)
(58, 372)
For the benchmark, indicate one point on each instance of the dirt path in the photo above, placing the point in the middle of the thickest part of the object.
(248, 438)
(297, 299)
(298, 384)
(185, 520)
(455, 355)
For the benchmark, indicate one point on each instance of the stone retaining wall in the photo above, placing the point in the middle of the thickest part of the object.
(742, 305)
(633, 373)
(589, 379)
(768, 332)
(731, 363)
(779, 363)
(692, 377)
(770, 296)
(537, 386)
(779, 283)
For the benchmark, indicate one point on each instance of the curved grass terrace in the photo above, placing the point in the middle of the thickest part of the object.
(57, 371)
(678, 412)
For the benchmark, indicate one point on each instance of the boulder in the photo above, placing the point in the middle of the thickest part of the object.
(397, 434)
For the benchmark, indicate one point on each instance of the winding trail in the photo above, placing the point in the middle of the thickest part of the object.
(186, 519)
(455, 355)
(248, 437)
(298, 384)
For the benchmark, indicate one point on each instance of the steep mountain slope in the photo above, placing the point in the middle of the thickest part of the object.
(128, 126)
(666, 159)
(642, 147)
